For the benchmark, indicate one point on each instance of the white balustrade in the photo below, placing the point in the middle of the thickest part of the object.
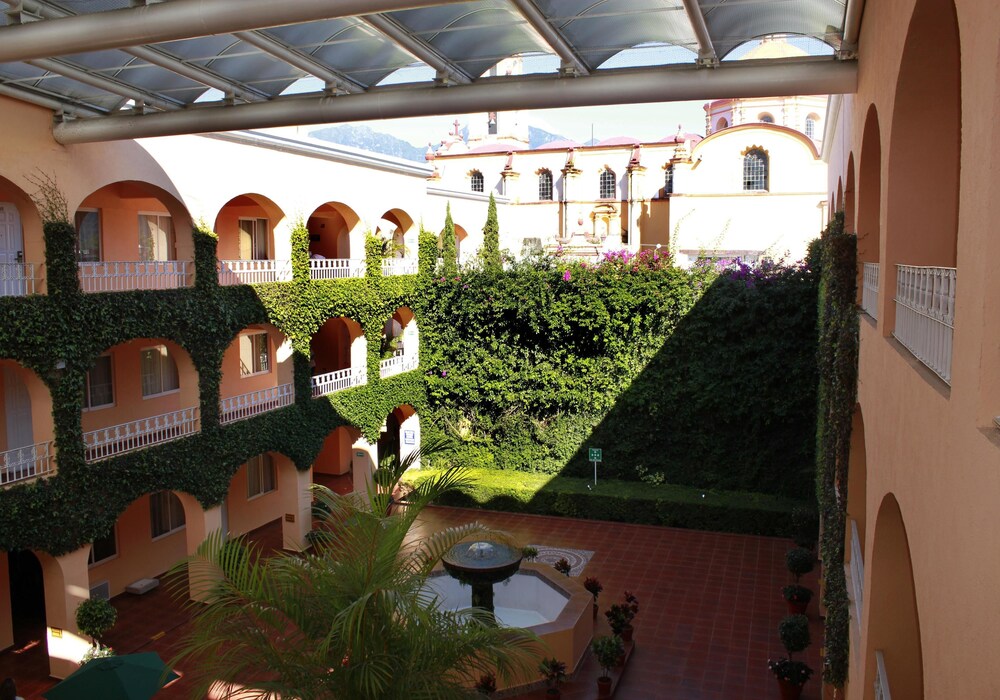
(137, 434)
(25, 462)
(254, 271)
(925, 315)
(398, 266)
(869, 290)
(323, 384)
(121, 276)
(336, 268)
(857, 572)
(397, 364)
(881, 678)
(17, 279)
(254, 403)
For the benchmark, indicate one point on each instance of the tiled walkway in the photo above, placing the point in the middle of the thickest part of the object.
(710, 607)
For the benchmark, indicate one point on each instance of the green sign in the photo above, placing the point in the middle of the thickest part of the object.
(595, 454)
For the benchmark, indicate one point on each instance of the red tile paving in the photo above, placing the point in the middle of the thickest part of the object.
(710, 604)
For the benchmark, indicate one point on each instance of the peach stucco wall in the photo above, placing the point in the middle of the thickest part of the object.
(280, 372)
(928, 446)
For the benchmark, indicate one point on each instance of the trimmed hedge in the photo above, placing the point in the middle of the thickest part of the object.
(622, 501)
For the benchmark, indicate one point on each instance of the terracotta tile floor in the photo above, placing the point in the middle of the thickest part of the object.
(710, 607)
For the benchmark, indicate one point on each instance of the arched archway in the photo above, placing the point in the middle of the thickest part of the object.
(400, 435)
(26, 425)
(339, 356)
(248, 247)
(460, 236)
(870, 190)
(256, 373)
(335, 467)
(849, 226)
(137, 394)
(400, 343)
(22, 245)
(334, 233)
(891, 608)
(922, 179)
(397, 226)
(133, 235)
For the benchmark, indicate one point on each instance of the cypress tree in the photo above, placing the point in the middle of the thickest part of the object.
(490, 252)
(449, 248)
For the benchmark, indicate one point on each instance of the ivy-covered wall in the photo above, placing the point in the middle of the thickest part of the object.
(683, 377)
(82, 501)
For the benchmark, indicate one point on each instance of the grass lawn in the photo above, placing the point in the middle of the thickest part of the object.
(622, 501)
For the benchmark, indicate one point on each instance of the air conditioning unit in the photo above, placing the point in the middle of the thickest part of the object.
(143, 585)
(101, 591)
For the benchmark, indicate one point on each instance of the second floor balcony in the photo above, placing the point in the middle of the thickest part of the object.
(28, 462)
(17, 279)
(336, 268)
(127, 275)
(925, 315)
(397, 364)
(330, 382)
(105, 443)
(254, 403)
(254, 271)
(399, 266)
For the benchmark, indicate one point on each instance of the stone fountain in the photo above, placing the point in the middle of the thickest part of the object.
(481, 565)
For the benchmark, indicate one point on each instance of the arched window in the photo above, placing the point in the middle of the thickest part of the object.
(608, 184)
(476, 181)
(811, 126)
(755, 169)
(722, 124)
(545, 186)
(668, 180)
(765, 118)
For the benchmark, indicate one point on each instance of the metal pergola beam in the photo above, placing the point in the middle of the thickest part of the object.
(175, 21)
(540, 23)
(55, 104)
(626, 86)
(300, 60)
(707, 55)
(418, 48)
(156, 57)
(112, 85)
(852, 24)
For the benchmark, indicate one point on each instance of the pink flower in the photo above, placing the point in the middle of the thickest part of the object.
(566, 276)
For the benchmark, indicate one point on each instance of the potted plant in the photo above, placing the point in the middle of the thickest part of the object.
(805, 525)
(529, 552)
(595, 588)
(554, 672)
(800, 561)
(620, 616)
(562, 566)
(487, 684)
(791, 674)
(606, 650)
(94, 617)
(797, 597)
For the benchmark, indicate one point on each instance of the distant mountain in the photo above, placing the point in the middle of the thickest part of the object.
(375, 141)
(539, 137)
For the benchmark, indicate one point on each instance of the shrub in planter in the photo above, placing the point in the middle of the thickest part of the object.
(606, 650)
(94, 617)
(529, 553)
(805, 527)
(594, 586)
(98, 652)
(794, 633)
(797, 597)
(563, 566)
(487, 684)
(791, 675)
(800, 561)
(554, 672)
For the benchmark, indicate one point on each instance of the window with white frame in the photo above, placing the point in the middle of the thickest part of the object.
(166, 514)
(765, 118)
(103, 548)
(668, 180)
(99, 386)
(253, 239)
(261, 478)
(607, 184)
(156, 237)
(254, 355)
(476, 182)
(811, 126)
(755, 170)
(545, 186)
(88, 235)
(158, 371)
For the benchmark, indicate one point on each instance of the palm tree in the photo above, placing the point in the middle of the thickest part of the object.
(352, 619)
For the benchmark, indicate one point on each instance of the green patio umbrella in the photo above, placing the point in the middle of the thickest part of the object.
(128, 677)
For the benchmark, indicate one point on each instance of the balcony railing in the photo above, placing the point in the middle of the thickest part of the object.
(857, 572)
(17, 279)
(397, 365)
(254, 271)
(869, 290)
(323, 384)
(336, 268)
(881, 678)
(137, 434)
(398, 266)
(123, 276)
(25, 463)
(925, 314)
(254, 403)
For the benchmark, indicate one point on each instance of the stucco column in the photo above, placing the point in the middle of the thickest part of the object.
(296, 499)
(364, 458)
(67, 584)
(200, 524)
(409, 437)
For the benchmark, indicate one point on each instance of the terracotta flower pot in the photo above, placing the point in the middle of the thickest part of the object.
(627, 634)
(595, 608)
(603, 687)
(789, 690)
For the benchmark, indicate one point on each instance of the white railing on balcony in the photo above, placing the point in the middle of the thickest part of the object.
(25, 462)
(398, 266)
(397, 364)
(881, 678)
(857, 572)
(254, 403)
(869, 290)
(254, 271)
(137, 434)
(121, 276)
(323, 384)
(17, 279)
(925, 314)
(336, 268)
